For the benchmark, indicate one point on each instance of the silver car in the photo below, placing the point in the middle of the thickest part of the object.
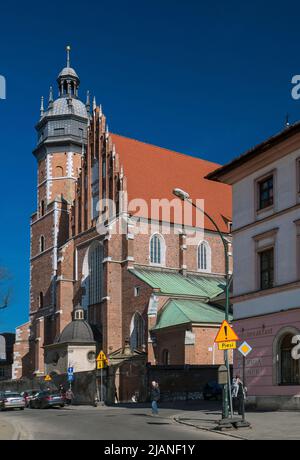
(11, 400)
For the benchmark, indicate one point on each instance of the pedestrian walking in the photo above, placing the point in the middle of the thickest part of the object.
(155, 397)
(62, 392)
(69, 396)
(238, 395)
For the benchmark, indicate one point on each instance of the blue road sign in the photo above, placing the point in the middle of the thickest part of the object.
(70, 377)
(70, 370)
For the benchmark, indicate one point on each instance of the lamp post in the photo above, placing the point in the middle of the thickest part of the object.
(184, 196)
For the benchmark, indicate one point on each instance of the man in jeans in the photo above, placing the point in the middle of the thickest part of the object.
(155, 396)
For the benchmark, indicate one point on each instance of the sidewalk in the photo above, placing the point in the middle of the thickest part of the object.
(264, 425)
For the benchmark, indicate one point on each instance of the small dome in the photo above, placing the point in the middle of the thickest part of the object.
(68, 72)
(76, 332)
(61, 107)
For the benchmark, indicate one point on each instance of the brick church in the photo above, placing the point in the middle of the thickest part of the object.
(108, 269)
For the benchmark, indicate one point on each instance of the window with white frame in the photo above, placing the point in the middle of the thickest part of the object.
(204, 257)
(157, 250)
(95, 281)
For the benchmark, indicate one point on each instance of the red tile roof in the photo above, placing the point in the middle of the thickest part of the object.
(153, 172)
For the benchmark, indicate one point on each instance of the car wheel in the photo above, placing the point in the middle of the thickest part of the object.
(21, 408)
(61, 405)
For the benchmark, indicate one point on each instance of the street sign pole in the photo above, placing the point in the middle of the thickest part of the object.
(101, 384)
(101, 361)
(226, 339)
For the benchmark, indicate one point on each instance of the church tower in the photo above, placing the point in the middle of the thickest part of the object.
(62, 137)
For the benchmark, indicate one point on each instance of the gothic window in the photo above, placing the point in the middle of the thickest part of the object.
(289, 367)
(166, 357)
(95, 190)
(41, 300)
(157, 250)
(137, 332)
(42, 243)
(204, 257)
(95, 274)
(42, 207)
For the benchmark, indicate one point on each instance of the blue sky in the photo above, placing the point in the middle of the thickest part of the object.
(206, 78)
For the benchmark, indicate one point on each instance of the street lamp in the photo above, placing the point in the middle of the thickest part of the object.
(184, 196)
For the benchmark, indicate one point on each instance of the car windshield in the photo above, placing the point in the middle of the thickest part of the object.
(12, 395)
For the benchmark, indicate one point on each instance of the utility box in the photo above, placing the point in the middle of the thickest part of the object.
(222, 375)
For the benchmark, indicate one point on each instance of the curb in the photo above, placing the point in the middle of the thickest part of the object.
(176, 418)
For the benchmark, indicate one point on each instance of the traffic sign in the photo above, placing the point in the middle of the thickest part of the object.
(102, 360)
(245, 349)
(70, 377)
(48, 378)
(101, 356)
(70, 370)
(227, 345)
(226, 333)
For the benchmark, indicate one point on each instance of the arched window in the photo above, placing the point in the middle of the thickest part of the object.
(204, 257)
(41, 300)
(166, 357)
(42, 208)
(289, 367)
(137, 332)
(59, 171)
(95, 281)
(157, 250)
(42, 243)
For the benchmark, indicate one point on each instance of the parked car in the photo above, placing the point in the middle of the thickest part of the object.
(28, 395)
(11, 400)
(46, 399)
(212, 390)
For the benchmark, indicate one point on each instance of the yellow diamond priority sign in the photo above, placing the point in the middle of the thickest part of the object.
(48, 378)
(245, 349)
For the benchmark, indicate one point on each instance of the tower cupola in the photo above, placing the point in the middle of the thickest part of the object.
(68, 80)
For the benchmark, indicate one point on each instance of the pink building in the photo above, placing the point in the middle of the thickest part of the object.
(266, 255)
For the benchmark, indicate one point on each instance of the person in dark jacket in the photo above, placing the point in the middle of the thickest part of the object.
(239, 395)
(155, 397)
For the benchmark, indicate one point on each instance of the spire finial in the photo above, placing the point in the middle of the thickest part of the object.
(100, 110)
(50, 104)
(88, 104)
(68, 49)
(94, 103)
(42, 106)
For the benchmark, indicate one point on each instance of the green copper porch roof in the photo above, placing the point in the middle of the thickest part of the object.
(177, 312)
(177, 284)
